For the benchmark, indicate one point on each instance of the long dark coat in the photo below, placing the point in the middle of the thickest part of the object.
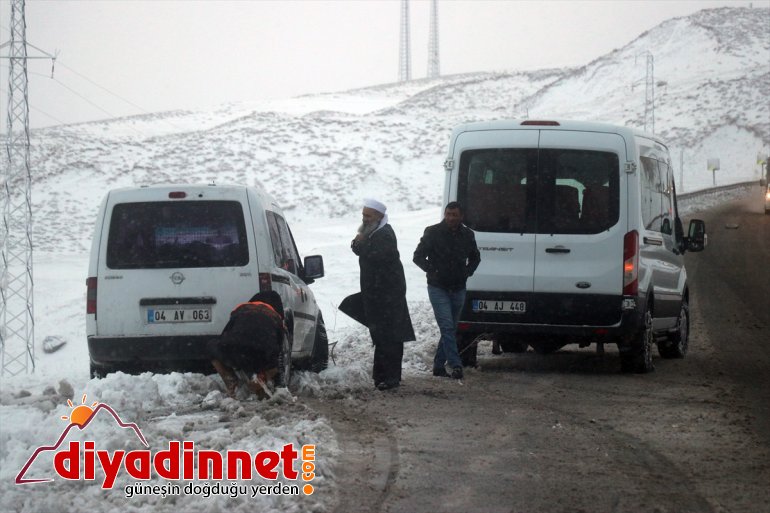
(383, 287)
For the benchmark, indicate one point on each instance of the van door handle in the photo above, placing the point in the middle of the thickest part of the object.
(653, 241)
(558, 249)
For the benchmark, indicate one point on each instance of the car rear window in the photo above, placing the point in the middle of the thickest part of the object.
(177, 234)
(526, 190)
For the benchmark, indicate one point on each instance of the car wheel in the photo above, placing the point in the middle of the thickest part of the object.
(676, 345)
(510, 345)
(546, 347)
(319, 359)
(284, 362)
(637, 355)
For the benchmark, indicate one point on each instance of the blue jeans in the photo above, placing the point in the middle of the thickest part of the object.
(446, 307)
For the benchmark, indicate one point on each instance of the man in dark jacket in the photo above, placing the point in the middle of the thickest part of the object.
(383, 290)
(447, 252)
(250, 344)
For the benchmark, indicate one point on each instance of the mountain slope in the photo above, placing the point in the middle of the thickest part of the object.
(319, 155)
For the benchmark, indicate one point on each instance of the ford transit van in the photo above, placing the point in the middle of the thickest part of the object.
(579, 236)
(168, 265)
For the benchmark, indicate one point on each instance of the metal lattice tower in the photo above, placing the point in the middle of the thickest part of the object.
(649, 95)
(433, 61)
(405, 52)
(17, 329)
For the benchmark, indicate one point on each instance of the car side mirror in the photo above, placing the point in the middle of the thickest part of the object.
(314, 268)
(696, 235)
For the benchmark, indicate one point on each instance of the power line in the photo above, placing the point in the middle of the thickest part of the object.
(104, 88)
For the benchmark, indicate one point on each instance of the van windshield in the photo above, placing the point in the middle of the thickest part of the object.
(177, 234)
(526, 190)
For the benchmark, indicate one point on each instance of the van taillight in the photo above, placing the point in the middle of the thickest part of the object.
(631, 263)
(177, 195)
(265, 283)
(91, 296)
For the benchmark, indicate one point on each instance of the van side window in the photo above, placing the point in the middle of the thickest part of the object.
(177, 234)
(653, 185)
(275, 239)
(667, 213)
(284, 251)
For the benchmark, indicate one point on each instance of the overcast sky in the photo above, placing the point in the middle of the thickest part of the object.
(122, 57)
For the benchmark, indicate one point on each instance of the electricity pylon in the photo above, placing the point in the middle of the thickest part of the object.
(433, 61)
(17, 333)
(649, 93)
(404, 54)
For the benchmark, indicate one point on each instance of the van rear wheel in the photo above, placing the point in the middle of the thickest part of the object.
(676, 344)
(636, 356)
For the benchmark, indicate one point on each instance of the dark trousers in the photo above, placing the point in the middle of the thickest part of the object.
(387, 357)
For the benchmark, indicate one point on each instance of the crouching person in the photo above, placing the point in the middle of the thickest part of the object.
(248, 351)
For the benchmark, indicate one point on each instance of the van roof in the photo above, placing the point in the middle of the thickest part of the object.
(219, 190)
(553, 124)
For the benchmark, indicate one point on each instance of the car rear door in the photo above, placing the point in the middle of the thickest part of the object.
(174, 263)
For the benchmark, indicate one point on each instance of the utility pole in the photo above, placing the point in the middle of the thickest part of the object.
(433, 60)
(405, 53)
(17, 334)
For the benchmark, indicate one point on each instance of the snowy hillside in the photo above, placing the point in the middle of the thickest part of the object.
(320, 154)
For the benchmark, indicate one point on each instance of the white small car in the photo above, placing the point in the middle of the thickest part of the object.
(168, 265)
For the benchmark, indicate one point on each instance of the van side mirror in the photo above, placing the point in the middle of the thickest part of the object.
(696, 236)
(314, 268)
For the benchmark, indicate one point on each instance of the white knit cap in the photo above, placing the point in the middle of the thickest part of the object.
(375, 205)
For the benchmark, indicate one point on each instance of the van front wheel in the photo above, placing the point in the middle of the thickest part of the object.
(636, 355)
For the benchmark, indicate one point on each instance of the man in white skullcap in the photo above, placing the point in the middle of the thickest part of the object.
(383, 290)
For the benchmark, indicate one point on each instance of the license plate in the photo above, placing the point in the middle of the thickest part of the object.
(486, 305)
(174, 315)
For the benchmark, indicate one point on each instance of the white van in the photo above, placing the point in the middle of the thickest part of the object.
(579, 236)
(168, 265)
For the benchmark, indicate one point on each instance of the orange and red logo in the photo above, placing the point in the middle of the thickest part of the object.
(177, 461)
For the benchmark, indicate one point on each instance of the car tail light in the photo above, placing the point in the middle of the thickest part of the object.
(265, 282)
(539, 122)
(177, 195)
(463, 326)
(631, 263)
(91, 296)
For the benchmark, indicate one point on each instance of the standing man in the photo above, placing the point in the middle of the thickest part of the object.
(447, 252)
(383, 291)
